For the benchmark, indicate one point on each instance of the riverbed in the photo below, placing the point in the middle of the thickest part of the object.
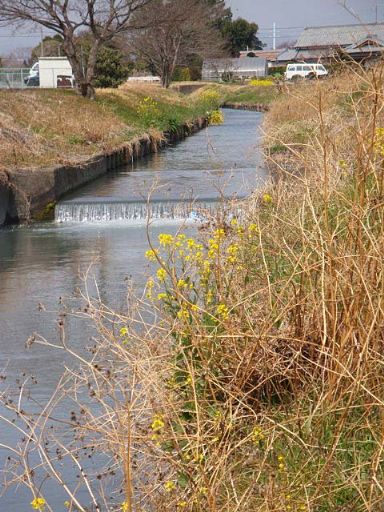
(102, 229)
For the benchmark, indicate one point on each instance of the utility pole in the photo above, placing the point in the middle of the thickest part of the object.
(274, 36)
(42, 44)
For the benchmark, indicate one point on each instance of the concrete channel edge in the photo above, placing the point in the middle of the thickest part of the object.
(27, 195)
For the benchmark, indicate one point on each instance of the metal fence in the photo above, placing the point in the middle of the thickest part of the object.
(17, 78)
(13, 78)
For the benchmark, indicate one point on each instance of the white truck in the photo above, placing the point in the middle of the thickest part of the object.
(305, 70)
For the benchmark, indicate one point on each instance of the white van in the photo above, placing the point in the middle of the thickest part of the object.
(305, 70)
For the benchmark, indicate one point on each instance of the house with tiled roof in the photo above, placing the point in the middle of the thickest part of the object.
(358, 42)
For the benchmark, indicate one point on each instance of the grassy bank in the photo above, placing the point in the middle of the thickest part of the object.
(258, 92)
(250, 374)
(46, 127)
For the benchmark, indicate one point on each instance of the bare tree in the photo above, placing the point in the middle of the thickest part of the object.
(173, 31)
(103, 19)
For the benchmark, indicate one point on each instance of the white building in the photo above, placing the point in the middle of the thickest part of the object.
(55, 72)
(241, 69)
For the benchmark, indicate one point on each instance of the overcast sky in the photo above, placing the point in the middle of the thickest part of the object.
(302, 13)
(290, 16)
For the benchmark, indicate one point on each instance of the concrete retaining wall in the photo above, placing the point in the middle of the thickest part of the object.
(4, 197)
(31, 194)
(246, 106)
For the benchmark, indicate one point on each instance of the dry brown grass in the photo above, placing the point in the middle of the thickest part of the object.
(41, 128)
(50, 127)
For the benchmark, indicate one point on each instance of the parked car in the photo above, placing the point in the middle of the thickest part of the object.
(305, 70)
(33, 73)
(33, 81)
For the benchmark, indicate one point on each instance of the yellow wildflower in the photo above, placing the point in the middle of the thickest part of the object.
(257, 435)
(151, 255)
(67, 504)
(161, 274)
(124, 506)
(38, 504)
(267, 198)
(219, 234)
(165, 239)
(232, 252)
(182, 284)
(182, 504)
(183, 314)
(124, 332)
(169, 486)
(222, 311)
(162, 296)
(199, 457)
(253, 228)
(157, 423)
(379, 142)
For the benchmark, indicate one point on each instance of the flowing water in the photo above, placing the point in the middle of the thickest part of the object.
(103, 227)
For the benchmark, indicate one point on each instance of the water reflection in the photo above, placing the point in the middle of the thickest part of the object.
(41, 266)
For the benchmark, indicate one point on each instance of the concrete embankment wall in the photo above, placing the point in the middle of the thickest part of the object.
(31, 194)
(246, 106)
(4, 197)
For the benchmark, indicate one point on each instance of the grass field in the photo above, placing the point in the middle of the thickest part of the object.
(41, 127)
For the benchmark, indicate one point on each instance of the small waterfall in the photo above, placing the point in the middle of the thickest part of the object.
(116, 210)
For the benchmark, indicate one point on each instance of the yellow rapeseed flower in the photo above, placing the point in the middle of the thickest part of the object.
(183, 314)
(38, 503)
(124, 332)
(219, 233)
(157, 423)
(151, 255)
(222, 311)
(161, 274)
(257, 435)
(267, 198)
(253, 228)
(165, 239)
(169, 486)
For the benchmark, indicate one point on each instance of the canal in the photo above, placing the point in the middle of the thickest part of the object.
(102, 229)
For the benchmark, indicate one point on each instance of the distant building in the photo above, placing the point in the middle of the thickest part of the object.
(358, 42)
(144, 79)
(216, 70)
(269, 55)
